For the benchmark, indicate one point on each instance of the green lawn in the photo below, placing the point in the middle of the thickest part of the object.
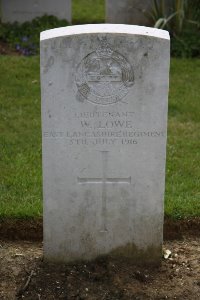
(20, 139)
(183, 151)
(84, 11)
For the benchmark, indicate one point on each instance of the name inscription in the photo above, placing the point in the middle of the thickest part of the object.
(103, 128)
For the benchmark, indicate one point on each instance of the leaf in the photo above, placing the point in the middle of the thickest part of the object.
(159, 23)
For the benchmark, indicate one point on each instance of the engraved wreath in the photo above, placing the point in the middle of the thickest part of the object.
(104, 76)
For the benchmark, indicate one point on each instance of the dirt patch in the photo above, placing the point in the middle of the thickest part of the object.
(177, 229)
(32, 230)
(21, 229)
(24, 275)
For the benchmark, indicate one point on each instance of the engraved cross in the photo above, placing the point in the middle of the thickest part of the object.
(104, 181)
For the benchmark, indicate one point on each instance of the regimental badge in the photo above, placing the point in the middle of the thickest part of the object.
(104, 76)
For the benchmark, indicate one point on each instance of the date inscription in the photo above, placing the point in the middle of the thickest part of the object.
(103, 128)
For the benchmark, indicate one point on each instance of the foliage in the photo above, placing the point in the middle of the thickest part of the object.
(88, 11)
(25, 37)
(177, 16)
(187, 44)
(20, 139)
(182, 20)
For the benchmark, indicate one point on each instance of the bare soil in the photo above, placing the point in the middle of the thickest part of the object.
(32, 229)
(24, 275)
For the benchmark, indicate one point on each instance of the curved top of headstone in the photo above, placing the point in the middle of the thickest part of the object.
(104, 28)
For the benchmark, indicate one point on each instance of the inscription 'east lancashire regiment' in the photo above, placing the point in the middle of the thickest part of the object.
(94, 134)
(96, 138)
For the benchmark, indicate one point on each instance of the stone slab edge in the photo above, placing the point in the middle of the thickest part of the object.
(104, 28)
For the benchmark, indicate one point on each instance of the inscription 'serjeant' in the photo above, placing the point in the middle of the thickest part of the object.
(104, 76)
(104, 181)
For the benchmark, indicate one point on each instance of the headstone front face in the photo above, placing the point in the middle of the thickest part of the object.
(104, 118)
(26, 10)
(128, 11)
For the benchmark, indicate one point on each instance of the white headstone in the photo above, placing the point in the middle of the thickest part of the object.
(26, 10)
(104, 123)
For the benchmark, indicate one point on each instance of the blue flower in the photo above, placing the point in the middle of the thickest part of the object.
(24, 39)
(17, 46)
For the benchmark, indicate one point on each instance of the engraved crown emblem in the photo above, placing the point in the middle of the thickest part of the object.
(104, 76)
(104, 50)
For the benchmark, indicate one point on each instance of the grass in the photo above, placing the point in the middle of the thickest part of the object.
(20, 139)
(183, 151)
(84, 10)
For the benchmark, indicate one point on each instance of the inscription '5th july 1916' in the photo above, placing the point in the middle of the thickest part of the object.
(104, 76)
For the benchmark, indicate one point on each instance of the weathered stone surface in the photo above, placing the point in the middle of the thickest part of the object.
(104, 127)
(26, 10)
(128, 11)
